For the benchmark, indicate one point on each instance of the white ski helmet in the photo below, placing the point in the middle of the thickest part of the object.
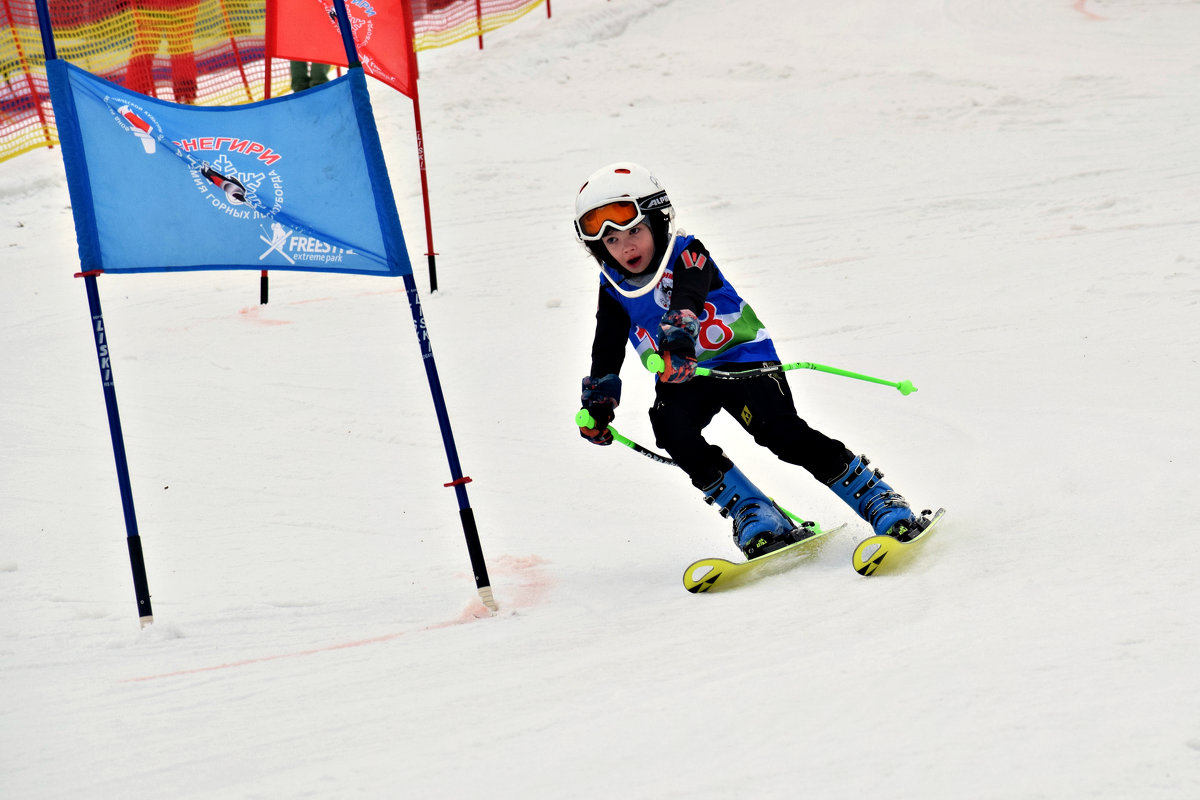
(618, 197)
(618, 185)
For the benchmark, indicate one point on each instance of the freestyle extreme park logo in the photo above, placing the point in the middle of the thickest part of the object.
(236, 177)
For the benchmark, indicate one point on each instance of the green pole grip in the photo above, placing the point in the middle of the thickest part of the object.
(584, 420)
(654, 363)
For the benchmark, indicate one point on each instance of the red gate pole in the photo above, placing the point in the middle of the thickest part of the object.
(424, 190)
(415, 95)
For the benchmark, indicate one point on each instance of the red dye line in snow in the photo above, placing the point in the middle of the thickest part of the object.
(244, 662)
(475, 610)
(529, 587)
(1079, 6)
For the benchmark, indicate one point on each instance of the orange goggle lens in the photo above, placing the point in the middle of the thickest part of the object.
(621, 215)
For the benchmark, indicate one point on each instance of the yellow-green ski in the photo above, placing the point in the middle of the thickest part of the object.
(880, 555)
(715, 574)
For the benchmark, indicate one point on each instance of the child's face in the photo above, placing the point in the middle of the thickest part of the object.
(632, 249)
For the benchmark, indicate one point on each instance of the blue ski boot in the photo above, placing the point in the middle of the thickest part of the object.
(880, 505)
(759, 527)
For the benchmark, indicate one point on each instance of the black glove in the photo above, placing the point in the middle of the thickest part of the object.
(600, 398)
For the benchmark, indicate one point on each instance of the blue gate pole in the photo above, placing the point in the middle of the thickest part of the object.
(141, 587)
(467, 516)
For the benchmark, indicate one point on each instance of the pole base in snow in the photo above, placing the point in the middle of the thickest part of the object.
(141, 588)
(485, 594)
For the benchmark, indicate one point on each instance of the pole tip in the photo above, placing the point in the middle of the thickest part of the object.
(485, 594)
(906, 388)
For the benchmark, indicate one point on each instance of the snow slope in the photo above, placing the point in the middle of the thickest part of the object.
(995, 199)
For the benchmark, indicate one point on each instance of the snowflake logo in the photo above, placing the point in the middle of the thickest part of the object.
(250, 180)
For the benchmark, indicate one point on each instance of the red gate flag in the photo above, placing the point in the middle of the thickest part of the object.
(307, 30)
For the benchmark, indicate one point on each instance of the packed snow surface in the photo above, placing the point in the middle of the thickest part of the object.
(997, 200)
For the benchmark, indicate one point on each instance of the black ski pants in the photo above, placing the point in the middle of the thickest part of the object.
(762, 405)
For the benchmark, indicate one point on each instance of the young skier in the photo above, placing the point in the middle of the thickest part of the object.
(662, 290)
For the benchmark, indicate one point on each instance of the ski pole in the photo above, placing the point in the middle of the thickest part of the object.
(654, 363)
(585, 420)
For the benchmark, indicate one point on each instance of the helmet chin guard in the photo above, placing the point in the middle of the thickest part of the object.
(624, 183)
(662, 267)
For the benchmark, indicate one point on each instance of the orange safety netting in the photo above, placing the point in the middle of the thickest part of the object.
(437, 23)
(188, 51)
(208, 52)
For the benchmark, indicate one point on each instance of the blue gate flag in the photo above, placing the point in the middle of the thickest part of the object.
(296, 182)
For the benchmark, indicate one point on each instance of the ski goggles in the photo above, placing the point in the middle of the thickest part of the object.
(620, 215)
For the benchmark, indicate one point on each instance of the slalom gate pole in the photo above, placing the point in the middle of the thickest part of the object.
(430, 253)
(585, 420)
(654, 363)
(141, 587)
(458, 482)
